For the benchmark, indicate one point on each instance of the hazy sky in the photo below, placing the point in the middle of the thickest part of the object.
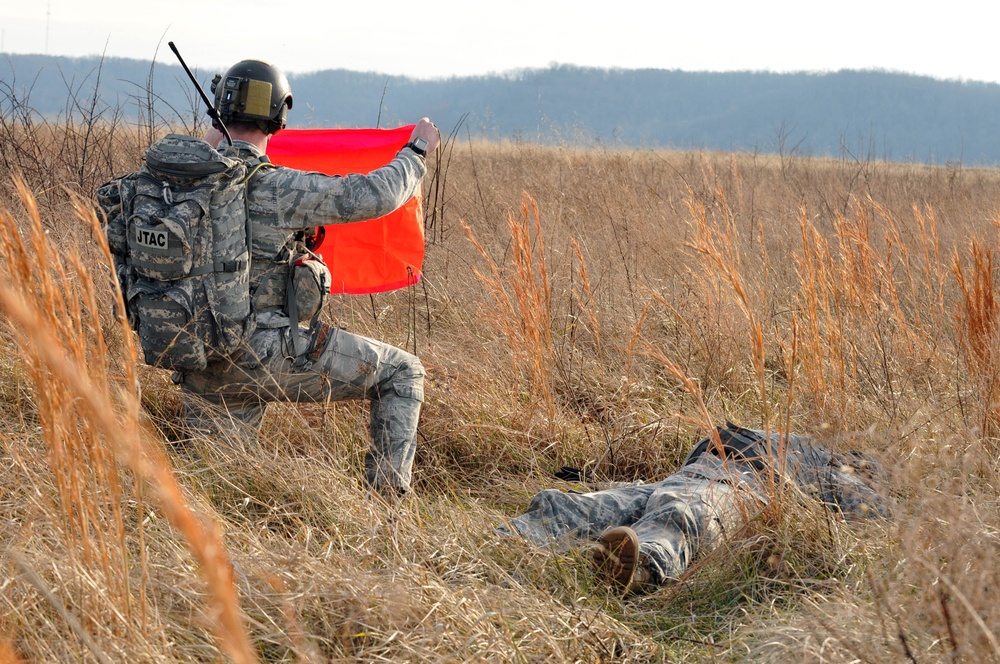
(437, 38)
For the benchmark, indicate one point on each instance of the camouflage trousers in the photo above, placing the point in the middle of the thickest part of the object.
(677, 519)
(231, 396)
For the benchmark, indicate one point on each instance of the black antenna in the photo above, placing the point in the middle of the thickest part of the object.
(213, 112)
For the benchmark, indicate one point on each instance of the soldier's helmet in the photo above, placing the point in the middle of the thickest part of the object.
(253, 91)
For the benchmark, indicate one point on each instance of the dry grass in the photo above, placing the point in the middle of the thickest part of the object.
(591, 308)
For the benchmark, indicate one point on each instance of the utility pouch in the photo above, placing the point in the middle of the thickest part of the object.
(311, 285)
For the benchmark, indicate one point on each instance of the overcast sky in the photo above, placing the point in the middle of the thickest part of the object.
(439, 38)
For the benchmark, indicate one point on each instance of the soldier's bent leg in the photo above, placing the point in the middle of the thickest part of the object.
(393, 381)
(222, 420)
(216, 407)
(395, 410)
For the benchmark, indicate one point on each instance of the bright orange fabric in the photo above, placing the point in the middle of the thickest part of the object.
(368, 256)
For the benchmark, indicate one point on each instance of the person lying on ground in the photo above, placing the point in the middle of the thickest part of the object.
(648, 534)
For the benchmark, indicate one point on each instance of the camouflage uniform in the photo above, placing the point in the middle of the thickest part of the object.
(712, 495)
(324, 362)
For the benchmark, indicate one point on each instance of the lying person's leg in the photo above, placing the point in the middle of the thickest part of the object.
(686, 516)
(557, 518)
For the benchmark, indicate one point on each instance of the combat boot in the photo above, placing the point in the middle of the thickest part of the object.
(617, 559)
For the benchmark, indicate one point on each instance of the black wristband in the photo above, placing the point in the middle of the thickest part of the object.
(422, 151)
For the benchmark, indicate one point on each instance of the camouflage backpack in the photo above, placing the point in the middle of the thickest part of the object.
(179, 233)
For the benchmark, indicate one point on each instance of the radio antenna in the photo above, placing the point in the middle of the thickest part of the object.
(213, 112)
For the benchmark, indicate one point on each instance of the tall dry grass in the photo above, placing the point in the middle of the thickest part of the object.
(861, 325)
(92, 436)
(522, 299)
(600, 309)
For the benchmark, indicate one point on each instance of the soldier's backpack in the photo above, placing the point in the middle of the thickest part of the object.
(179, 233)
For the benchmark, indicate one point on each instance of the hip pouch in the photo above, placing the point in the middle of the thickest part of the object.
(306, 288)
(310, 283)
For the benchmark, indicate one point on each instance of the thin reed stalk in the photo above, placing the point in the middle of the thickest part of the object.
(717, 246)
(978, 322)
(522, 302)
(88, 481)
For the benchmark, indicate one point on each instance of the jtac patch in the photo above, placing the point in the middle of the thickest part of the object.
(154, 239)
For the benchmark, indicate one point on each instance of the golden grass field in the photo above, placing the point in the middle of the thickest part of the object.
(595, 308)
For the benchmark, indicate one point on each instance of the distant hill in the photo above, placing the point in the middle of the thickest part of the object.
(852, 114)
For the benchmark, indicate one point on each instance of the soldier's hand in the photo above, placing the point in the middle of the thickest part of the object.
(428, 131)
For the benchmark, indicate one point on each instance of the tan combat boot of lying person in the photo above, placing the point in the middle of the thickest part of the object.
(617, 559)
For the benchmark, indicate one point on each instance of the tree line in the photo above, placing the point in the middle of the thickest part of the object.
(850, 114)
